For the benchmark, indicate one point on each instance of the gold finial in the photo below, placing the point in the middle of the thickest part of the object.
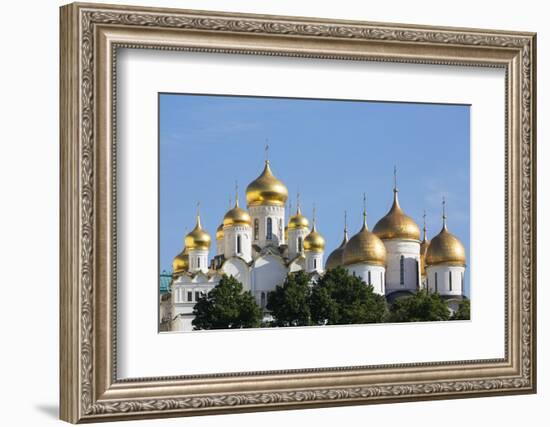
(345, 225)
(364, 210)
(314, 218)
(267, 150)
(298, 210)
(424, 227)
(236, 194)
(199, 215)
(289, 208)
(230, 202)
(444, 215)
(395, 190)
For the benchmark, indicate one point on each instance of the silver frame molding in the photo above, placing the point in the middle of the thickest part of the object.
(90, 37)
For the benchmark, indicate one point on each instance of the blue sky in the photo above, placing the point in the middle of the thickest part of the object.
(330, 151)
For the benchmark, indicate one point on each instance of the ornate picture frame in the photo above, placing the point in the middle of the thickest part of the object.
(90, 37)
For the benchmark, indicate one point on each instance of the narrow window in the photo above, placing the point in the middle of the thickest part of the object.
(280, 228)
(381, 278)
(314, 263)
(402, 271)
(269, 234)
(197, 295)
(262, 299)
(450, 281)
(462, 284)
(238, 243)
(189, 296)
(300, 244)
(256, 229)
(198, 263)
(436, 281)
(370, 281)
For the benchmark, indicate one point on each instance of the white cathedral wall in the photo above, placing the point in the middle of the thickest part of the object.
(314, 262)
(299, 264)
(262, 213)
(446, 285)
(239, 270)
(376, 275)
(230, 242)
(220, 246)
(410, 250)
(268, 271)
(293, 236)
(198, 260)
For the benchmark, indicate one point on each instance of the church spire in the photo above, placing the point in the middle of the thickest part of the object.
(444, 213)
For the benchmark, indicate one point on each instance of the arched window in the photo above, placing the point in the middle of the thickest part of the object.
(314, 263)
(436, 281)
(450, 281)
(238, 243)
(256, 228)
(198, 263)
(269, 234)
(462, 284)
(381, 278)
(370, 281)
(262, 300)
(300, 244)
(402, 270)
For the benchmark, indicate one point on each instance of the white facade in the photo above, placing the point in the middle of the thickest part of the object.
(447, 280)
(371, 274)
(403, 265)
(220, 246)
(238, 242)
(314, 262)
(295, 242)
(268, 225)
(198, 260)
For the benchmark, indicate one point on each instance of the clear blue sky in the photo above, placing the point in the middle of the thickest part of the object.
(330, 151)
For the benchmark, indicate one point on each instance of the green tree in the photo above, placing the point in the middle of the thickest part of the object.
(289, 303)
(463, 311)
(422, 306)
(227, 306)
(341, 298)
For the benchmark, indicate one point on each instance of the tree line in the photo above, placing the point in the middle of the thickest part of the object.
(336, 298)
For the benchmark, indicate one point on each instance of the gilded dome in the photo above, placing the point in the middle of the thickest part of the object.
(397, 225)
(219, 232)
(297, 221)
(336, 258)
(266, 190)
(198, 238)
(365, 247)
(236, 216)
(314, 242)
(181, 262)
(445, 248)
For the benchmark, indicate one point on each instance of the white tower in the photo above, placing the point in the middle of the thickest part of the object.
(266, 197)
(401, 236)
(445, 263)
(365, 256)
(298, 229)
(237, 232)
(197, 242)
(314, 248)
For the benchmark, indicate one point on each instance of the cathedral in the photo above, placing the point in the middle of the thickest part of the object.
(259, 248)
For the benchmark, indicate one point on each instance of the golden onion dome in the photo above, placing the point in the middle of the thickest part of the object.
(314, 242)
(445, 248)
(336, 258)
(298, 221)
(219, 232)
(266, 190)
(181, 262)
(236, 216)
(365, 247)
(198, 239)
(396, 224)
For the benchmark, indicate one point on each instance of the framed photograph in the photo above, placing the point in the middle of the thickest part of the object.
(267, 212)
